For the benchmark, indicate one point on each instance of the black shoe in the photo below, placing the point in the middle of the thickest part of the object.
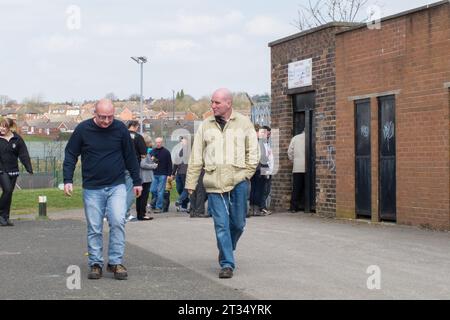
(95, 273)
(3, 222)
(226, 273)
(200, 216)
(120, 272)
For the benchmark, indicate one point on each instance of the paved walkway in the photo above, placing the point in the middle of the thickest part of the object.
(283, 256)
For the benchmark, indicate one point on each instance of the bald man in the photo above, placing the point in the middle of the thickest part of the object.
(163, 158)
(106, 152)
(226, 147)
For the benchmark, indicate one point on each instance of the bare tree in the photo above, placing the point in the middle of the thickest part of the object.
(111, 96)
(35, 103)
(135, 97)
(4, 99)
(320, 12)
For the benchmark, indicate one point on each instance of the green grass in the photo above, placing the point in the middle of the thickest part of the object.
(27, 201)
(29, 138)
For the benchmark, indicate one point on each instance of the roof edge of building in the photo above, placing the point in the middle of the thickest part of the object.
(397, 15)
(313, 30)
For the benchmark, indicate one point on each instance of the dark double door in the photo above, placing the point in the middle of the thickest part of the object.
(386, 159)
(304, 121)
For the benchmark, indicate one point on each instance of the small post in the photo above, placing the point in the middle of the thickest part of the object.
(42, 206)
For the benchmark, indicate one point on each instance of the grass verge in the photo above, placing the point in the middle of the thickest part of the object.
(27, 201)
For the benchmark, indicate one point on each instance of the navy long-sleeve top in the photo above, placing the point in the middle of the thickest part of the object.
(105, 155)
(164, 160)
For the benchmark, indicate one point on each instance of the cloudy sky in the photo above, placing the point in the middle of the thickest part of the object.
(80, 49)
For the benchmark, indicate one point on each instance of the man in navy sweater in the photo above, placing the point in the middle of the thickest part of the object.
(106, 152)
(163, 158)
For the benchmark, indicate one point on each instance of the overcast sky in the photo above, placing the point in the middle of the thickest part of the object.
(195, 45)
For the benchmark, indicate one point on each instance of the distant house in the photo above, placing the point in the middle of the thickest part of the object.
(161, 115)
(46, 128)
(73, 111)
(57, 109)
(150, 114)
(165, 128)
(9, 113)
(29, 113)
(87, 108)
(86, 112)
(177, 115)
(61, 118)
(40, 128)
(207, 114)
(190, 116)
(68, 126)
(31, 127)
(124, 114)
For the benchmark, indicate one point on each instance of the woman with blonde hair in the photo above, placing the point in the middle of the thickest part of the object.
(12, 148)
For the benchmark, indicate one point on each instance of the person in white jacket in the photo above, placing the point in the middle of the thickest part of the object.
(296, 153)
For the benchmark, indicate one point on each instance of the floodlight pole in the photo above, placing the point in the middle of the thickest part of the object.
(141, 61)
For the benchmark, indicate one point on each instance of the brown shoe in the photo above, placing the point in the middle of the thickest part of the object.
(120, 272)
(226, 273)
(95, 273)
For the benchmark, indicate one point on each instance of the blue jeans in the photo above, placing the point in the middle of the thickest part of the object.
(130, 192)
(157, 189)
(229, 211)
(183, 199)
(258, 190)
(111, 203)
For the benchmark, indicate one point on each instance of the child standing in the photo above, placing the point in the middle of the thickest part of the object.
(169, 187)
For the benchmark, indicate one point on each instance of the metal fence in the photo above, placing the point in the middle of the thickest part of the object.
(47, 174)
(261, 114)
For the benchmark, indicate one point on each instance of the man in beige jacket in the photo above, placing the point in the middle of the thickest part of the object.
(226, 146)
(296, 153)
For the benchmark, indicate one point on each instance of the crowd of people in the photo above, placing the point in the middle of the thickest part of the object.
(225, 173)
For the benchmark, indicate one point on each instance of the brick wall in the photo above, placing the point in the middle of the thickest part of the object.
(320, 46)
(408, 56)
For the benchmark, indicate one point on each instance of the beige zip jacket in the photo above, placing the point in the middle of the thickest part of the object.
(229, 156)
(296, 153)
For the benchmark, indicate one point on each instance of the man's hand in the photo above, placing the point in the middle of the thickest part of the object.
(190, 191)
(137, 191)
(68, 189)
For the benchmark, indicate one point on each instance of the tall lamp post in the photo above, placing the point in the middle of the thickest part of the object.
(173, 104)
(141, 61)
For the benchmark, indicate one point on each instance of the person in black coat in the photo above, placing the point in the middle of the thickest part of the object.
(12, 148)
(163, 158)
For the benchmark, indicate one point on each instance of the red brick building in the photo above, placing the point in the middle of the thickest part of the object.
(375, 106)
(303, 97)
(392, 119)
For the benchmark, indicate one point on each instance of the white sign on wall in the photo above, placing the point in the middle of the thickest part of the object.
(300, 74)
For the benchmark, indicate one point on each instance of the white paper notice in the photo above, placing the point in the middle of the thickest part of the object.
(300, 74)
